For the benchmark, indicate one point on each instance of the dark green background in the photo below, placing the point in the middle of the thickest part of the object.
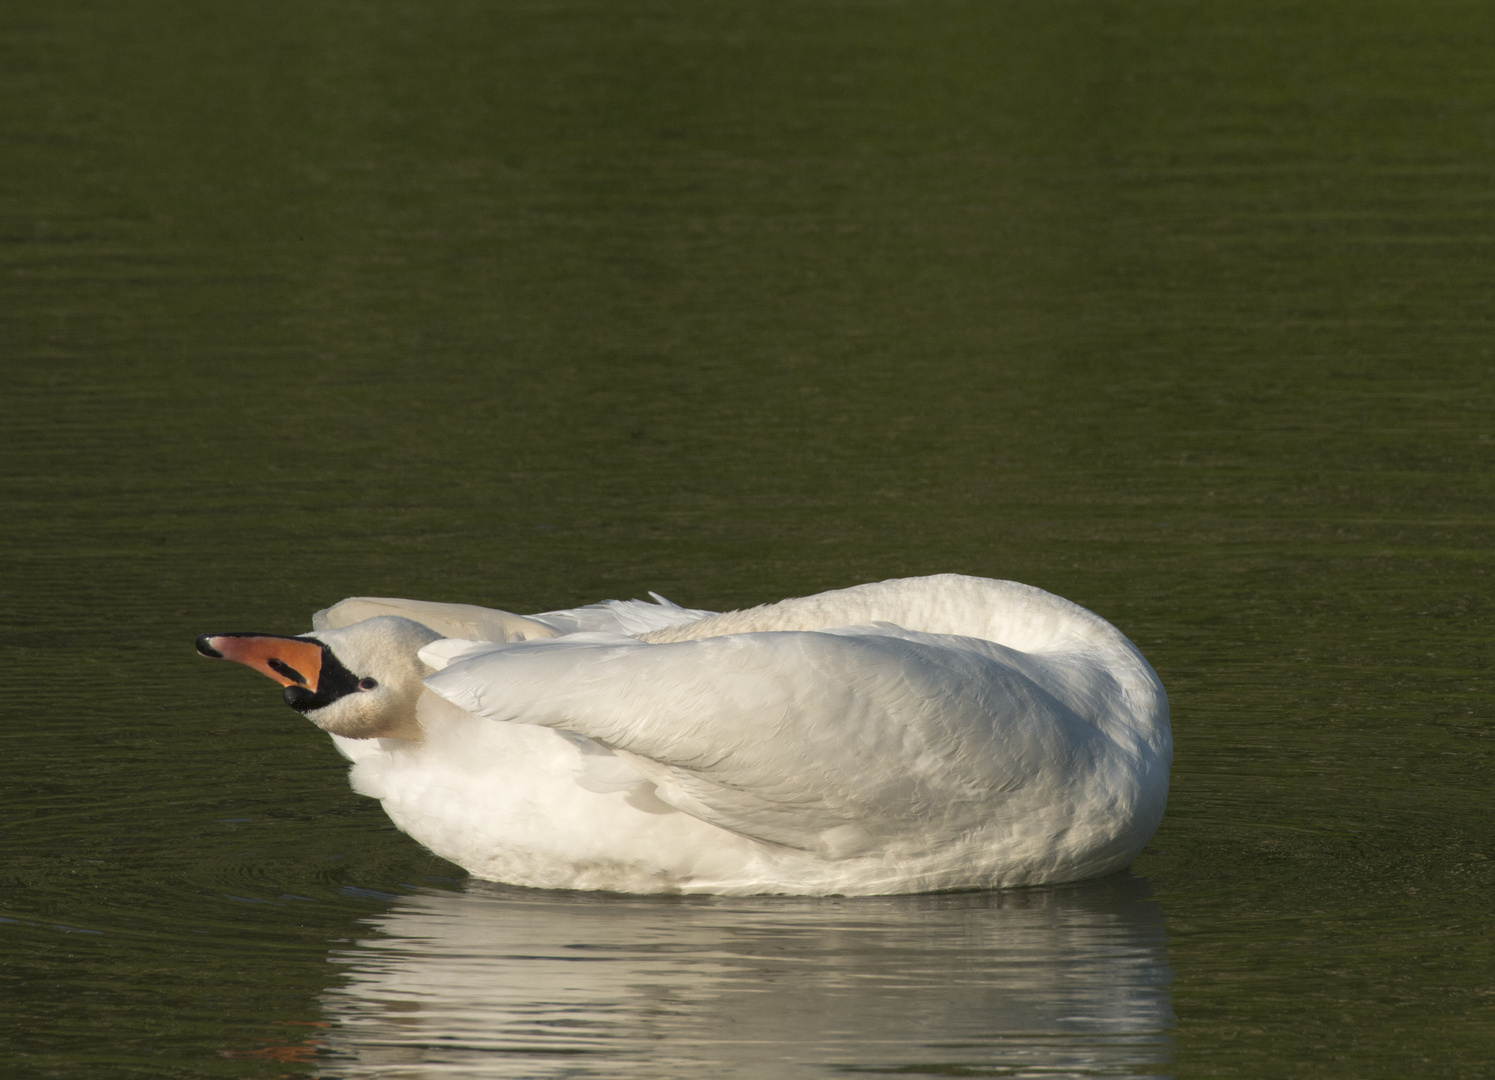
(1180, 310)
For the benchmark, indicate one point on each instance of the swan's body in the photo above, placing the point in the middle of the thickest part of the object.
(911, 735)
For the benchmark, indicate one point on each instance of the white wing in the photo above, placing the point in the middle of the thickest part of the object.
(833, 742)
(629, 617)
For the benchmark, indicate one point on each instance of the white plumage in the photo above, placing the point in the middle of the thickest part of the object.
(909, 735)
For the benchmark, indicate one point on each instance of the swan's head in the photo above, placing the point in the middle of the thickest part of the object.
(360, 682)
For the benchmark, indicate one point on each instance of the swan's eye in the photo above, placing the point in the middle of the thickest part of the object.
(366, 684)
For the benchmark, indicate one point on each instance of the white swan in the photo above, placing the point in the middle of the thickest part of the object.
(910, 735)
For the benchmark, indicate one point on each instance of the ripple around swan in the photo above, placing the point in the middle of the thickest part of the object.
(498, 982)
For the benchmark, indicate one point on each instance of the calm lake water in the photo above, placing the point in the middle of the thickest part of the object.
(1180, 311)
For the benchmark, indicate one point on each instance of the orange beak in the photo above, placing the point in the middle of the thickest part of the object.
(290, 661)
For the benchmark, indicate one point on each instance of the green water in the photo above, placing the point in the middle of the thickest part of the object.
(1182, 311)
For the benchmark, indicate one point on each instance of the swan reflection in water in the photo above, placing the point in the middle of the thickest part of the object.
(494, 981)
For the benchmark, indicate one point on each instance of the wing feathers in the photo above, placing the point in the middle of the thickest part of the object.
(823, 741)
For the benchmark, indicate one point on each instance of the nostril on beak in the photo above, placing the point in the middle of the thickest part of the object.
(282, 668)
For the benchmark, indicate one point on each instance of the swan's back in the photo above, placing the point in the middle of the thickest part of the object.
(1081, 657)
(1007, 612)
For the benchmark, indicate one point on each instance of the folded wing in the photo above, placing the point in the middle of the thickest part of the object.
(833, 742)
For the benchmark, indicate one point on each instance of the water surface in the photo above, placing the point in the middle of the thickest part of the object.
(1181, 313)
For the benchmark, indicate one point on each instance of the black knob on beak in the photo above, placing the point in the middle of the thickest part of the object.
(299, 698)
